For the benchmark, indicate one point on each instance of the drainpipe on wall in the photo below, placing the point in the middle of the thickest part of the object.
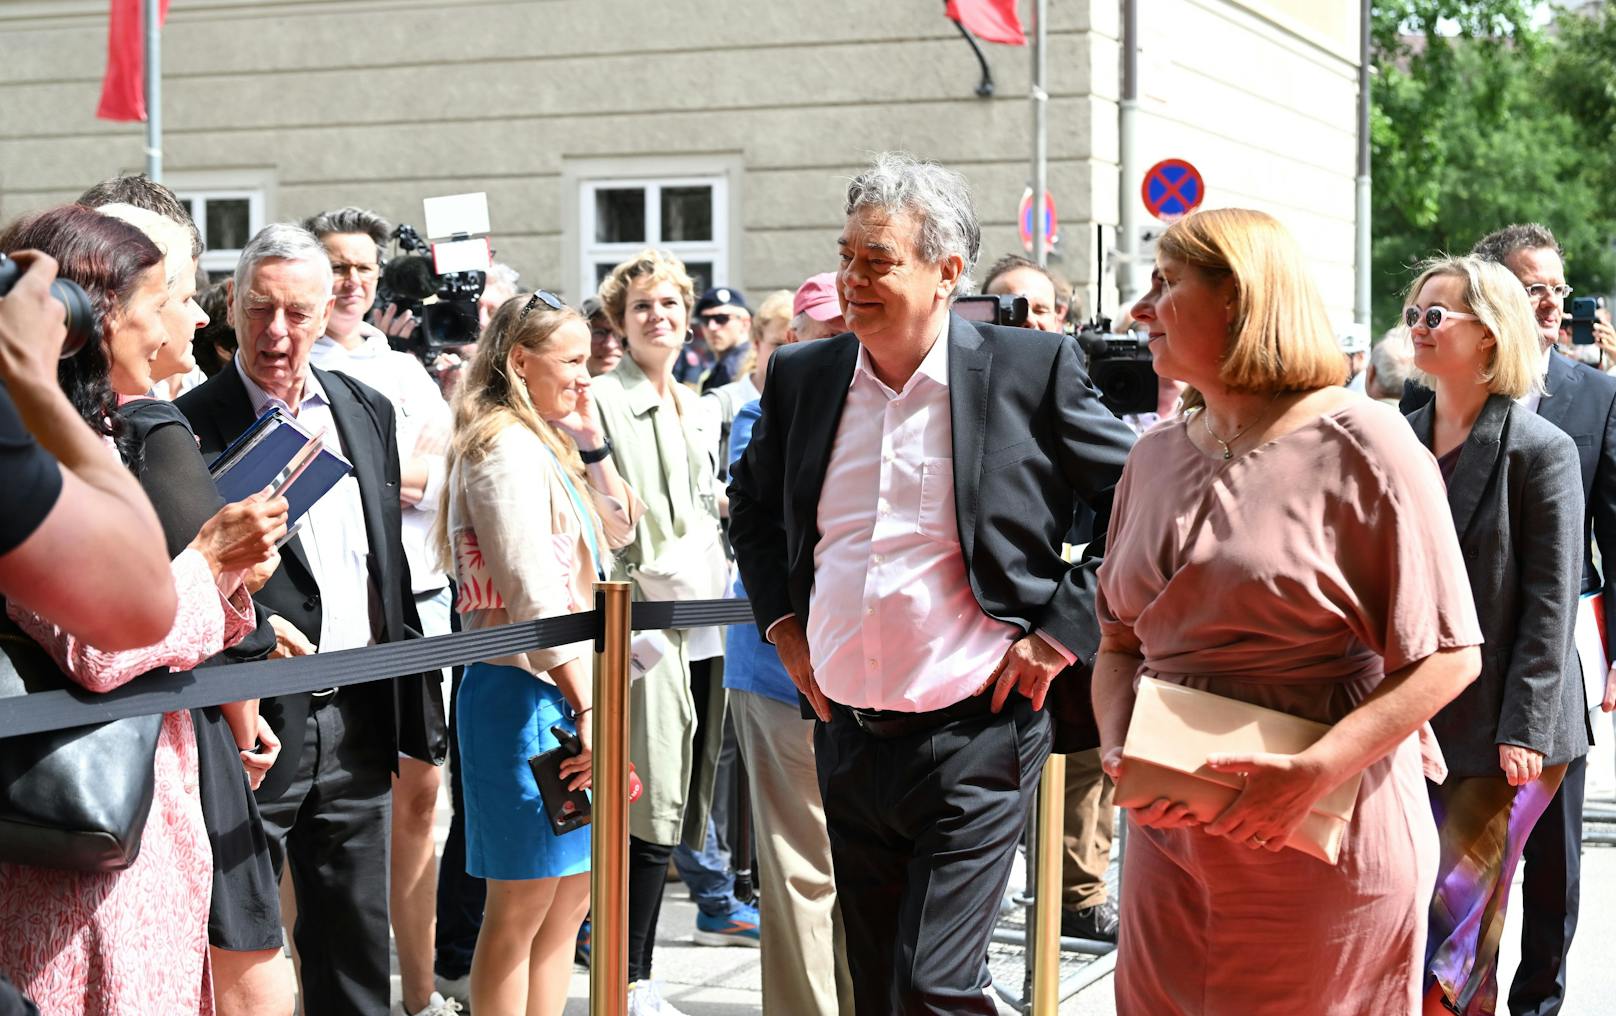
(1128, 170)
(1365, 70)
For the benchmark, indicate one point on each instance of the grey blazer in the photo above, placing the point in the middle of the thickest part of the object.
(1516, 498)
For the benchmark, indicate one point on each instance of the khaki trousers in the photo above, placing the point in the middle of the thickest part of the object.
(1089, 815)
(804, 953)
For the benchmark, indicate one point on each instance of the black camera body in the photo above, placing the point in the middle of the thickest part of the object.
(409, 280)
(80, 314)
(1120, 367)
(1010, 311)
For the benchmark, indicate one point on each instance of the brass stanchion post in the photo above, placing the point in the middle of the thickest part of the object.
(608, 873)
(1044, 935)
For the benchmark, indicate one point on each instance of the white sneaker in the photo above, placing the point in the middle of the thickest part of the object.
(457, 990)
(436, 1005)
(645, 999)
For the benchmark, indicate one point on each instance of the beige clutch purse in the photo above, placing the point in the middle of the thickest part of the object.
(1174, 729)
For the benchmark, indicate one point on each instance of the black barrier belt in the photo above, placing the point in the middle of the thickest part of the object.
(212, 686)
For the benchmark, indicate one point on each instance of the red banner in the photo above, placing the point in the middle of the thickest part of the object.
(989, 20)
(123, 90)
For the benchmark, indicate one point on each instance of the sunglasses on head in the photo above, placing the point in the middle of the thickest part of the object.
(1433, 317)
(715, 319)
(549, 299)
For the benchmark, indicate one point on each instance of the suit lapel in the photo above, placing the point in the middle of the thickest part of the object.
(970, 360)
(357, 429)
(1560, 389)
(819, 413)
(1478, 459)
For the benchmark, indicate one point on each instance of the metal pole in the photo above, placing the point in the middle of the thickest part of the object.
(1046, 930)
(154, 93)
(1128, 169)
(608, 870)
(1365, 70)
(1040, 135)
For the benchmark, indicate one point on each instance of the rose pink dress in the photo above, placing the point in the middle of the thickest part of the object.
(1293, 576)
(133, 941)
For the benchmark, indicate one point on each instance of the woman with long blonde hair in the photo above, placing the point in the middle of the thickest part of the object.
(533, 508)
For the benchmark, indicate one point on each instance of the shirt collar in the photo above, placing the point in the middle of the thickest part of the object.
(313, 392)
(934, 366)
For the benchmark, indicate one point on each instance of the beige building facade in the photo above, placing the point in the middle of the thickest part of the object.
(723, 129)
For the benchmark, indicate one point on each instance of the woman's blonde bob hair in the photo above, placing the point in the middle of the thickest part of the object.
(648, 267)
(1281, 339)
(1492, 292)
(491, 398)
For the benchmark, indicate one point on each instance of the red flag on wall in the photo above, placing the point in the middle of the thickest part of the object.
(123, 90)
(989, 20)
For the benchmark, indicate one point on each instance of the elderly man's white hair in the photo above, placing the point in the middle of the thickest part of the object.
(939, 198)
(282, 241)
(173, 239)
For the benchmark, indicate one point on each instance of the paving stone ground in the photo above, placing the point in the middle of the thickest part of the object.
(707, 981)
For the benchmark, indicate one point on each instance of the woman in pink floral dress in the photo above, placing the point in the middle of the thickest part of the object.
(132, 941)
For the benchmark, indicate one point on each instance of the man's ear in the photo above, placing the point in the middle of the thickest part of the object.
(230, 303)
(952, 268)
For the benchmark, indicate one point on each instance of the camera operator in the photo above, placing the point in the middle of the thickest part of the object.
(1014, 275)
(80, 515)
(353, 238)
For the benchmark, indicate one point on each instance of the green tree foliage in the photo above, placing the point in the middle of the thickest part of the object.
(1480, 120)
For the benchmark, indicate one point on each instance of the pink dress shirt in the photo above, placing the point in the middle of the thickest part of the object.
(892, 621)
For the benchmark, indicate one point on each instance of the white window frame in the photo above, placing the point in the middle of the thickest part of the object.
(223, 260)
(714, 251)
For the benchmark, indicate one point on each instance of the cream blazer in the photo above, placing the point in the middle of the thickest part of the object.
(520, 553)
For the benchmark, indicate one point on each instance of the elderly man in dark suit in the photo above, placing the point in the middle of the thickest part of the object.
(898, 518)
(343, 583)
(1582, 402)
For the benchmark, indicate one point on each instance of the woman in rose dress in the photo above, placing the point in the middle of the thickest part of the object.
(109, 943)
(1284, 542)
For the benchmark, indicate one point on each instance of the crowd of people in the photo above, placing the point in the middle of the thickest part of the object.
(959, 559)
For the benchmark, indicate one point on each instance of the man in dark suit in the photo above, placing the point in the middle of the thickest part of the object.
(343, 583)
(1582, 402)
(898, 518)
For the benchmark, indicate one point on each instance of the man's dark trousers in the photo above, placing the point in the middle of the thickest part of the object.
(923, 833)
(332, 824)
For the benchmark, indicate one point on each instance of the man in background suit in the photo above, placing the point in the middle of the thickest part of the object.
(898, 518)
(343, 583)
(1582, 402)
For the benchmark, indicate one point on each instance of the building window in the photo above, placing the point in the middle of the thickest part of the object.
(686, 215)
(227, 219)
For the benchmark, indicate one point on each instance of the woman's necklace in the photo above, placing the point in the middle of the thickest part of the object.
(1228, 453)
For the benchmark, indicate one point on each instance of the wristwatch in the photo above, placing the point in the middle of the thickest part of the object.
(597, 455)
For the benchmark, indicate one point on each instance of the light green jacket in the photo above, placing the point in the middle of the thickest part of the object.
(662, 454)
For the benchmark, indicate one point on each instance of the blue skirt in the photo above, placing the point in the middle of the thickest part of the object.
(503, 718)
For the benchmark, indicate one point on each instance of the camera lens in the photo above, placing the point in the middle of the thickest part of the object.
(80, 315)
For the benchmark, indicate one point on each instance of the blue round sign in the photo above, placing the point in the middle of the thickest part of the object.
(1172, 189)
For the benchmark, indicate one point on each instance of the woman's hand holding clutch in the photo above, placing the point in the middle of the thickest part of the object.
(1160, 813)
(1279, 791)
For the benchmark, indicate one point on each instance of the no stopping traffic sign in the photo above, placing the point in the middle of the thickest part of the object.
(1172, 189)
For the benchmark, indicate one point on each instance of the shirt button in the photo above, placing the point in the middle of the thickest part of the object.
(871, 663)
(875, 558)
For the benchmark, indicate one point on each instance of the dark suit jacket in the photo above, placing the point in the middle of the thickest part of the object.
(1031, 440)
(1517, 506)
(1582, 402)
(219, 410)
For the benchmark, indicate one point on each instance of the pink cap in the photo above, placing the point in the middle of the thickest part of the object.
(817, 298)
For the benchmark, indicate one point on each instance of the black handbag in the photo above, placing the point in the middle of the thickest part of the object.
(75, 798)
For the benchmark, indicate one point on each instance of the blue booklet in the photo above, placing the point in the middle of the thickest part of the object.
(279, 453)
